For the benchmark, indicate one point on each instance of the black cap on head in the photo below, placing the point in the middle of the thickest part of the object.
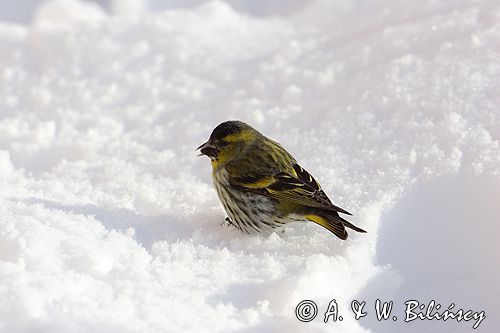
(228, 127)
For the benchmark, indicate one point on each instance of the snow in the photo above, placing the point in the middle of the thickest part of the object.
(109, 222)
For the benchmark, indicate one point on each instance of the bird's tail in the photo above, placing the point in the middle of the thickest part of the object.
(334, 223)
(351, 226)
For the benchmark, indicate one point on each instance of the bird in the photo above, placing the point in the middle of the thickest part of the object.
(262, 187)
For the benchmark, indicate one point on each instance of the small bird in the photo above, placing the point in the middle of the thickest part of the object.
(262, 187)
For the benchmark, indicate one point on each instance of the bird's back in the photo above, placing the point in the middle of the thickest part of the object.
(262, 158)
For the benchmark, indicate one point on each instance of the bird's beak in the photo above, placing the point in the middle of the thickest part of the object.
(208, 149)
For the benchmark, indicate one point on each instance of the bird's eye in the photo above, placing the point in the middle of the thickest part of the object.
(222, 143)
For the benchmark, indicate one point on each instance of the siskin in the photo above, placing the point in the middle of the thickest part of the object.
(262, 187)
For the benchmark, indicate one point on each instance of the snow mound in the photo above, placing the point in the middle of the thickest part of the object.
(109, 222)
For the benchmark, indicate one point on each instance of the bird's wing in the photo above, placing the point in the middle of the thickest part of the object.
(295, 185)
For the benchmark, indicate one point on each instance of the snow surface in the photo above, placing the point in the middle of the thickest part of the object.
(109, 222)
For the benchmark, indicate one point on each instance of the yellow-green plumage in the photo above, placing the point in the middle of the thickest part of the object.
(262, 187)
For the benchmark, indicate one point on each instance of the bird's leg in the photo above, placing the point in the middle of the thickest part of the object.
(229, 222)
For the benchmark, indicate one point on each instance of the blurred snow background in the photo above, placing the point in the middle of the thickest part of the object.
(109, 223)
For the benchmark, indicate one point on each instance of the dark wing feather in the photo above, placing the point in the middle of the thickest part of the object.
(300, 188)
(307, 178)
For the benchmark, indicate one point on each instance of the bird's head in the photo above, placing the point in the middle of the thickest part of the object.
(227, 141)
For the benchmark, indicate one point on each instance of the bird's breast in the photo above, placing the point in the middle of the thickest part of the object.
(248, 211)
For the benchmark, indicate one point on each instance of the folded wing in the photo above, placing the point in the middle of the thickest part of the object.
(296, 185)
